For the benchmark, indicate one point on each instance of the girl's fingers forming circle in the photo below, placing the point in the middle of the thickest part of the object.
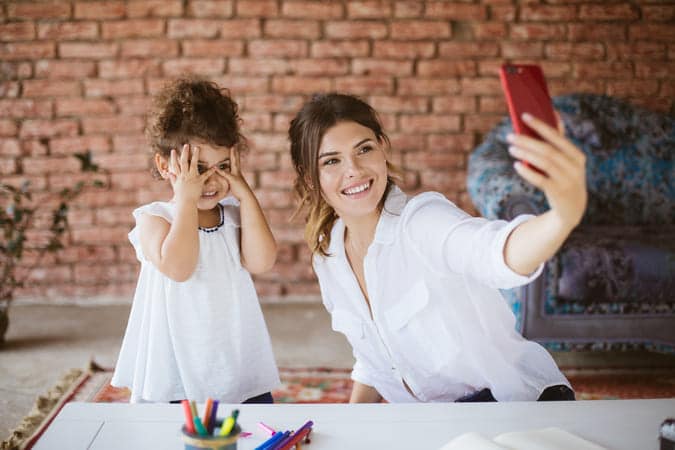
(234, 160)
(184, 158)
(194, 159)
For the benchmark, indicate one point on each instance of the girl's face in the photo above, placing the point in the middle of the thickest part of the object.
(215, 188)
(352, 170)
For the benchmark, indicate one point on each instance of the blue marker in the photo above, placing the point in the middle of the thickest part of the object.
(276, 437)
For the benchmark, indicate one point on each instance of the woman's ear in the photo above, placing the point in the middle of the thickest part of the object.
(162, 165)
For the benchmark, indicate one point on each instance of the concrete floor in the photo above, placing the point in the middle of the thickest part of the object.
(43, 342)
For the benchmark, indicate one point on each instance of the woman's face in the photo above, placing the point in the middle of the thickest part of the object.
(352, 170)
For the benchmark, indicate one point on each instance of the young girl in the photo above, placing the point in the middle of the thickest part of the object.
(196, 329)
(412, 281)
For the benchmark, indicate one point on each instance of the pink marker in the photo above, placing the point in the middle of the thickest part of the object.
(269, 430)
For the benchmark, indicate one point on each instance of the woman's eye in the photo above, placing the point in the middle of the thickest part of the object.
(224, 166)
(201, 169)
(365, 149)
(330, 161)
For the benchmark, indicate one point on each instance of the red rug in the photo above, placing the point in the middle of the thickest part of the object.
(323, 385)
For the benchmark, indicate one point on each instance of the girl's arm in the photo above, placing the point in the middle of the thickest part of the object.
(174, 248)
(564, 183)
(258, 247)
(362, 393)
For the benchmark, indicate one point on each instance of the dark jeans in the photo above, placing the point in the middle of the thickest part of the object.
(262, 398)
(551, 393)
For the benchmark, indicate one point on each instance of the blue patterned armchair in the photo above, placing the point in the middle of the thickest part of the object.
(612, 284)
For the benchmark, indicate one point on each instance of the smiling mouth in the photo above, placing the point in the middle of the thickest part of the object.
(209, 194)
(363, 187)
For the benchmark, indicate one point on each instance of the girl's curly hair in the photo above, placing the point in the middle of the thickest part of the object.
(189, 109)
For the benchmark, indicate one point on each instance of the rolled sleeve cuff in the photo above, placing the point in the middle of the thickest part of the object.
(506, 276)
(360, 374)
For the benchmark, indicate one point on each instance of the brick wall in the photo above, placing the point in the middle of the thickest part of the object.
(78, 76)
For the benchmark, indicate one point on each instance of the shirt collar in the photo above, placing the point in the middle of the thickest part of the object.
(386, 225)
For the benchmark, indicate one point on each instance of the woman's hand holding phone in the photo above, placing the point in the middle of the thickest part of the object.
(562, 174)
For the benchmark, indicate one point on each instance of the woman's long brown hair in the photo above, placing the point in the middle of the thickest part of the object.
(307, 129)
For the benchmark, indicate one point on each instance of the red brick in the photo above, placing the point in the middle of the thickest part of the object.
(7, 166)
(41, 10)
(467, 49)
(338, 49)
(260, 160)
(132, 180)
(493, 31)
(212, 48)
(79, 144)
(77, 215)
(281, 179)
(257, 66)
(134, 106)
(210, 8)
(8, 128)
(443, 180)
(98, 198)
(257, 8)
(312, 9)
(401, 50)
(100, 88)
(481, 122)
(595, 12)
(48, 128)
(658, 13)
(286, 48)
(45, 165)
(193, 28)
(155, 8)
(409, 30)
(492, 104)
(80, 253)
(118, 215)
(615, 32)
(564, 86)
(15, 70)
(49, 88)
(131, 144)
(290, 29)
(504, 13)
(575, 51)
(272, 103)
(531, 31)
(100, 10)
(256, 122)
(37, 183)
(81, 106)
(363, 85)
(450, 158)
(17, 31)
(10, 147)
(296, 272)
(103, 274)
(281, 122)
(244, 85)
(453, 104)
(555, 69)
(26, 50)
(54, 68)
(395, 104)
(455, 11)
(519, 50)
(88, 50)
(320, 66)
(53, 274)
(112, 125)
(133, 28)
(631, 88)
(407, 141)
(147, 47)
(368, 9)
(128, 68)
(459, 143)
(68, 30)
(435, 123)
(655, 70)
(639, 51)
(604, 69)
(122, 162)
(480, 86)
(446, 68)
(35, 147)
(546, 13)
(355, 30)
(300, 85)
(24, 108)
(275, 198)
(201, 66)
(652, 32)
(421, 86)
(371, 66)
(241, 29)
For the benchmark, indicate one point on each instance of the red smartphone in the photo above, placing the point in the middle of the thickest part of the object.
(526, 92)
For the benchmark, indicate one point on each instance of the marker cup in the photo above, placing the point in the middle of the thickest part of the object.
(212, 442)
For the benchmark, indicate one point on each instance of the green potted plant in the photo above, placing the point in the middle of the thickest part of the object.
(17, 218)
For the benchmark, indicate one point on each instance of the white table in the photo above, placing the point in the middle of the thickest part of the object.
(615, 424)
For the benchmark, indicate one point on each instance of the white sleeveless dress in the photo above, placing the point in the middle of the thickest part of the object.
(204, 337)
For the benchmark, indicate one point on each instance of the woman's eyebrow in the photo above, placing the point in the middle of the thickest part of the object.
(361, 142)
(219, 162)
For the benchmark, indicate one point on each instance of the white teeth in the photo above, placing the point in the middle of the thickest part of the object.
(357, 189)
(209, 194)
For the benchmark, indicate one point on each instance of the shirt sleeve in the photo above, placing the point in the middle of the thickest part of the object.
(450, 240)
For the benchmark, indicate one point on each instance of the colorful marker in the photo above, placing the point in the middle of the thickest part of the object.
(269, 430)
(229, 423)
(275, 437)
(214, 416)
(189, 425)
(206, 418)
(199, 426)
(296, 437)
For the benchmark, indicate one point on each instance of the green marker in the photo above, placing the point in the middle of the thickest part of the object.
(199, 426)
(229, 423)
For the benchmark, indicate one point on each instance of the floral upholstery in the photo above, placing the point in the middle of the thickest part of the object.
(612, 285)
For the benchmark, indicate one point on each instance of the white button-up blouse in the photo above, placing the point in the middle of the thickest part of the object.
(438, 321)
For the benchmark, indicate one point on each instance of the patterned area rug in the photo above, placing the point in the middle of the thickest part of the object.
(324, 385)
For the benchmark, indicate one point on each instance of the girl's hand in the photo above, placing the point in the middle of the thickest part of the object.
(563, 164)
(186, 181)
(238, 185)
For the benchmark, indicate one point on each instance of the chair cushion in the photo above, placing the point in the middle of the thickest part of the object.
(632, 268)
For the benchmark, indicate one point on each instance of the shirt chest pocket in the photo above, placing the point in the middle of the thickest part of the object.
(419, 331)
(353, 327)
